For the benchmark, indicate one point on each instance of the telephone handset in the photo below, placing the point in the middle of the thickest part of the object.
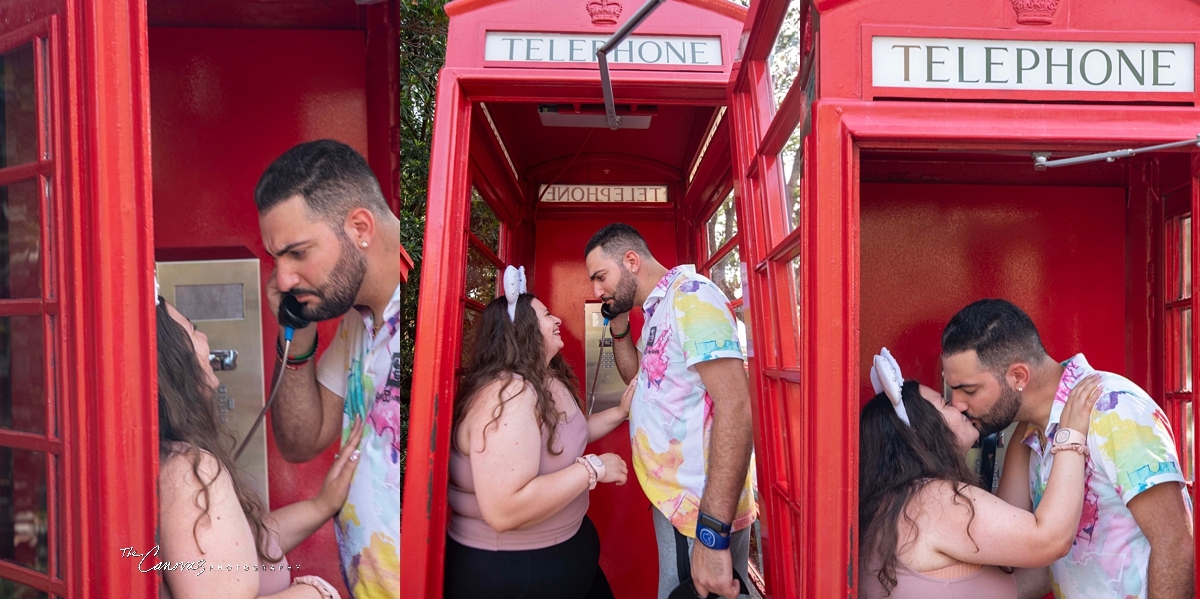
(291, 317)
(291, 313)
(607, 313)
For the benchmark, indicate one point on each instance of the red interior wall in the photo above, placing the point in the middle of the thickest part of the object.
(622, 515)
(929, 250)
(224, 104)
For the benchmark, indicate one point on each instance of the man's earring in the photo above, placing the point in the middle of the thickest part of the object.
(364, 244)
(1020, 389)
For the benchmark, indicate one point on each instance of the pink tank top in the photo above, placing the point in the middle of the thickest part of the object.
(466, 520)
(988, 582)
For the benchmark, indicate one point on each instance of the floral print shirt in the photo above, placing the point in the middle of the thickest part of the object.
(364, 369)
(688, 321)
(1132, 449)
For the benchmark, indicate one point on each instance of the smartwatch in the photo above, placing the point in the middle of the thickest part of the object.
(712, 533)
(597, 464)
(1066, 436)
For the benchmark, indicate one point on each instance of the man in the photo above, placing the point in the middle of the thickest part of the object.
(1135, 536)
(337, 251)
(692, 401)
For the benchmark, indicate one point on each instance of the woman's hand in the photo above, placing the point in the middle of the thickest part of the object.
(337, 482)
(1077, 414)
(627, 397)
(614, 469)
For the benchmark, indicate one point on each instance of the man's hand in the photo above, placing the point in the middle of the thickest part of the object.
(712, 572)
(274, 296)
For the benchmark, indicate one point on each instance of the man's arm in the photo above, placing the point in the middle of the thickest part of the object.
(306, 416)
(1014, 476)
(728, 462)
(625, 352)
(1161, 514)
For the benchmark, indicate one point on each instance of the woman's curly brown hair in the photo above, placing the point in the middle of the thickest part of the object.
(188, 425)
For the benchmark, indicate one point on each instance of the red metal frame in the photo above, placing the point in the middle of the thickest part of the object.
(805, 464)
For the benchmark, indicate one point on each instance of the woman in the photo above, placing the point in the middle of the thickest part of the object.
(926, 529)
(518, 479)
(208, 518)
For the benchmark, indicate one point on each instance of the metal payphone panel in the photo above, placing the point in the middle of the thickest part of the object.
(222, 298)
(608, 384)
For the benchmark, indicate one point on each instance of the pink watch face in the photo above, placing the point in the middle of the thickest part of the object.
(597, 463)
(1062, 436)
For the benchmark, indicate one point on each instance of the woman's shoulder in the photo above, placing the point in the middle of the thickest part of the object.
(943, 494)
(179, 469)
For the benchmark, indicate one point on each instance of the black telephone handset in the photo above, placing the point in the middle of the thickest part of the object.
(291, 313)
(606, 311)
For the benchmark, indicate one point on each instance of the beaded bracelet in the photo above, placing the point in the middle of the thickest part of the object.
(324, 588)
(298, 360)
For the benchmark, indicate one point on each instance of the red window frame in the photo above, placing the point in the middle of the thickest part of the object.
(477, 244)
(46, 171)
(1178, 299)
(775, 255)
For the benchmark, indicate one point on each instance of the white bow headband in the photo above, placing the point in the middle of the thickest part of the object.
(886, 378)
(156, 294)
(514, 286)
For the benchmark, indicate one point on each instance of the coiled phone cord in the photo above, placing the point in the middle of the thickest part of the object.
(287, 345)
(596, 374)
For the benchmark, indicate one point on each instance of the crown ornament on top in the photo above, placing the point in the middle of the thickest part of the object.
(604, 12)
(1035, 12)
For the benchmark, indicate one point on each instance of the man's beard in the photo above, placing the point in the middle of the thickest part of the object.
(623, 295)
(1003, 412)
(339, 292)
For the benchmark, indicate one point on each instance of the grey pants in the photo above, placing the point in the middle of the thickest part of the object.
(668, 563)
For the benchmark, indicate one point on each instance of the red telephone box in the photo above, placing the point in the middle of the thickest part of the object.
(87, 89)
(866, 168)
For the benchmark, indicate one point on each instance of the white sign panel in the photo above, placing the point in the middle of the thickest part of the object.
(579, 48)
(1031, 65)
(569, 194)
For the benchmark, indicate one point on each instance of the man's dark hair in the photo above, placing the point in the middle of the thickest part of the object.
(332, 178)
(1000, 333)
(616, 239)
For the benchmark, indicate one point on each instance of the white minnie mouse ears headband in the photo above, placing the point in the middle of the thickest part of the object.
(886, 378)
(514, 286)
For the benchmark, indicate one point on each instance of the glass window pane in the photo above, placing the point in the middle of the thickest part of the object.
(484, 223)
(758, 540)
(785, 57)
(1185, 364)
(727, 274)
(18, 107)
(722, 226)
(470, 320)
(791, 165)
(744, 331)
(22, 374)
(20, 233)
(13, 590)
(1185, 258)
(1189, 446)
(798, 290)
(481, 277)
(23, 508)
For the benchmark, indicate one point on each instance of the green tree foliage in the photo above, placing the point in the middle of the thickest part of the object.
(423, 26)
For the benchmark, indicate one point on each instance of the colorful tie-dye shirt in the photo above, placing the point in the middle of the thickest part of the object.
(688, 321)
(1132, 449)
(365, 370)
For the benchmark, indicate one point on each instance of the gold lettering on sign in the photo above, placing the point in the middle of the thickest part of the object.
(604, 194)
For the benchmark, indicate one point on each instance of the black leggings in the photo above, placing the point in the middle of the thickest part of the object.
(568, 570)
